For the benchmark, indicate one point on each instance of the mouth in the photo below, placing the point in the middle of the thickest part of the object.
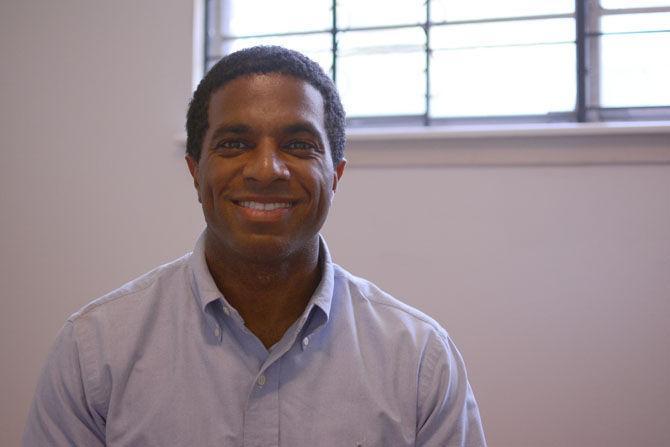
(263, 206)
(264, 210)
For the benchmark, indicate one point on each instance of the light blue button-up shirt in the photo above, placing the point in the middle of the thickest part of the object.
(166, 361)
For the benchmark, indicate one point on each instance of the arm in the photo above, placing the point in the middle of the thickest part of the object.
(61, 414)
(447, 410)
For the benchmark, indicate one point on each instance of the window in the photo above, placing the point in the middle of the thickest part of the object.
(427, 62)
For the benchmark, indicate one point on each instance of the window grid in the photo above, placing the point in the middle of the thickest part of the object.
(587, 15)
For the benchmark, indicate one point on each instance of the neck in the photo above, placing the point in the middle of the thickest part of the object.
(269, 295)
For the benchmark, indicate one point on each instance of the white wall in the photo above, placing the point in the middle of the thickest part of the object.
(94, 189)
(553, 280)
(554, 283)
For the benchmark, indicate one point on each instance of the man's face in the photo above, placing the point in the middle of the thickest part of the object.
(265, 177)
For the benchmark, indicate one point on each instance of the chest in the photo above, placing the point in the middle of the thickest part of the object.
(320, 396)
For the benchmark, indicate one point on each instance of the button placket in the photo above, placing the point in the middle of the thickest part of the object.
(261, 417)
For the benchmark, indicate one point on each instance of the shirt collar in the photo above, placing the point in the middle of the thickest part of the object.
(205, 287)
(323, 295)
(207, 291)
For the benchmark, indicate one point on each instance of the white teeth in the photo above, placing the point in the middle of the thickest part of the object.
(265, 206)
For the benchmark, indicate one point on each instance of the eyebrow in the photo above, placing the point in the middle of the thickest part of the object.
(236, 129)
(303, 126)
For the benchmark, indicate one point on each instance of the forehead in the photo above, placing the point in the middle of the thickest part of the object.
(266, 97)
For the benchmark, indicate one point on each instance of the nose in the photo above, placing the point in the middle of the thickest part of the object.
(265, 164)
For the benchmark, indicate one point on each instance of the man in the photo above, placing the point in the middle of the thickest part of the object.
(256, 338)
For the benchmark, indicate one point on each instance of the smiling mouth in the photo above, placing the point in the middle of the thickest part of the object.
(264, 206)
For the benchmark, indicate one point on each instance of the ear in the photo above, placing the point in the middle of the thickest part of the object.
(194, 169)
(339, 170)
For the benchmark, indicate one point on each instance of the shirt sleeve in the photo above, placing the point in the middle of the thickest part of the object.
(61, 414)
(447, 411)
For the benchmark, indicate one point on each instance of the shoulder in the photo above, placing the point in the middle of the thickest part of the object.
(399, 334)
(139, 317)
(140, 292)
(147, 305)
(372, 303)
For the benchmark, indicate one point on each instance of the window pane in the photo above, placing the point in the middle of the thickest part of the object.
(633, 74)
(628, 23)
(452, 10)
(622, 4)
(355, 13)
(473, 75)
(253, 17)
(528, 32)
(382, 72)
(317, 47)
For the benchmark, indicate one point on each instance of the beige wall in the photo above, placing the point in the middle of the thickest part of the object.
(94, 189)
(554, 283)
(553, 280)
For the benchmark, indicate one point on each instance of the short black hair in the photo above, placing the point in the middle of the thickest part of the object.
(265, 60)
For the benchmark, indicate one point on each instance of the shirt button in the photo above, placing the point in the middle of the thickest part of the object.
(226, 310)
(261, 380)
(305, 341)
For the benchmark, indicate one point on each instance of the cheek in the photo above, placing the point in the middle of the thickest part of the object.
(322, 187)
(215, 180)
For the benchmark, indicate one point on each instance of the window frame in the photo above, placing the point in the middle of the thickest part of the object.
(587, 14)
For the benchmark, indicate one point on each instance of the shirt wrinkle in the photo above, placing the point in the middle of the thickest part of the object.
(89, 372)
(428, 371)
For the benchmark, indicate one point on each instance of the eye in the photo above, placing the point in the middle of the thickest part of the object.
(231, 144)
(300, 145)
(230, 148)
